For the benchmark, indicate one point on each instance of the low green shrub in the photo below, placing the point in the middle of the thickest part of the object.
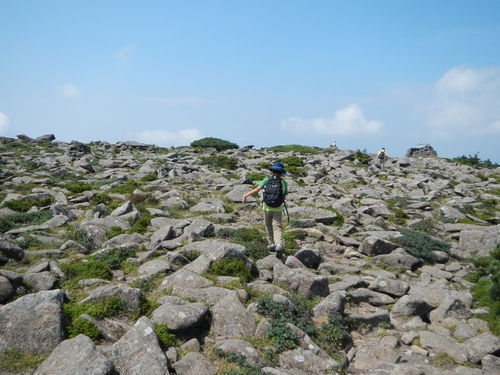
(304, 150)
(362, 156)
(101, 198)
(106, 308)
(333, 337)
(167, 339)
(220, 161)
(238, 365)
(218, 144)
(114, 231)
(77, 187)
(80, 236)
(231, 267)
(421, 245)
(85, 327)
(86, 269)
(486, 292)
(474, 161)
(252, 239)
(15, 221)
(256, 176)
(292, 161)
(149, 177)
(141, 225)
(114, 259)
(24, 204)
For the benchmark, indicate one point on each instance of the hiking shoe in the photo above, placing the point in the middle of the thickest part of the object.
(279, 251)
(271, 248)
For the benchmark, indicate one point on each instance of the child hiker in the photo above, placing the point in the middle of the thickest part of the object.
(275, 190)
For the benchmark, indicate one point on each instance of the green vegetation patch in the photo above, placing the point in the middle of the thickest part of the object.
(14, 361)
(486, 292)
(474, 161)
(421, 245)
(220, 161)
(115, 258)
(24, 204)
(218, 144)
(231, 267)
(304, 150)
(86, 269)
(85, 327)
(362, 156)
(252, 239)
(15, 221)
(166, 339)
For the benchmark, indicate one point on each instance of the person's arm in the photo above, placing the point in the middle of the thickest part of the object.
(251, 192)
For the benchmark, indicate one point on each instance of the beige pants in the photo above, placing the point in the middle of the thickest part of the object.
(274, 227)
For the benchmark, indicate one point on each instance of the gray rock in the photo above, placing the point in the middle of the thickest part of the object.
(6, 288)
(308, 362)
(230, 319)
(303, 282)
(376, 246)
(76, 356)
(40, 281)
(240, 347)
(129, 356)
(10, 250)
(399, 259)
(194, 364)
(32, 324)
(185, 279)
(482, 345)
(436, 343)
(130, 297)
(369, 296)
(389, 286)
(179, 318)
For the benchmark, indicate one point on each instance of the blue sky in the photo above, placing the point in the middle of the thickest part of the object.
(364, 73)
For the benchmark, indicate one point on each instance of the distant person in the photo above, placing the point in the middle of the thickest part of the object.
(381, 158)
(275, 190)
(334, 145)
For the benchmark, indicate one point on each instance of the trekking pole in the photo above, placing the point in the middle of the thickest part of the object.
(286, 209)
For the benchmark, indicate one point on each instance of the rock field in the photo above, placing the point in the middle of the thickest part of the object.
(177, 216)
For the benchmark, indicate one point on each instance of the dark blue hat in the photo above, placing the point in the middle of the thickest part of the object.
(278, 167)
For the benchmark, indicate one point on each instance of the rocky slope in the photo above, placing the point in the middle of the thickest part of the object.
(175, 216)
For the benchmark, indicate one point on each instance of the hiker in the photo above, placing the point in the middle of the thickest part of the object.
(334, 145)
(381, 158)
(273, 211)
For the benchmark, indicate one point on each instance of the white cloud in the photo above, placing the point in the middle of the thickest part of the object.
(70, 91)
(345, 121)
(465, 100)
(4, 123)
(167, 138)
(124, 53)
